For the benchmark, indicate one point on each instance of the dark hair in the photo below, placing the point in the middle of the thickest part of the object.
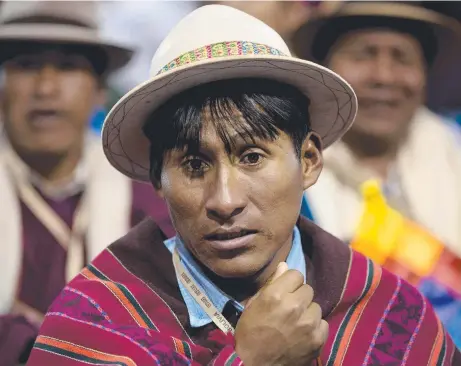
(266, 106)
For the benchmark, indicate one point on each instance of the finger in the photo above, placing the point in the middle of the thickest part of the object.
(288, 282)
(32, 315)
(282, 267)
(320, 337)
(312, 316)
(303, 295)
(324, 330)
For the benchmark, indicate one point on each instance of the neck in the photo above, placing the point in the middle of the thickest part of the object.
(242, 289)
(374, 153)
(52, 167)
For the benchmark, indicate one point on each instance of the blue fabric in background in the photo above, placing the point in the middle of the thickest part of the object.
(454, 116)
(305, 209)
(446, 305)
(97, 120)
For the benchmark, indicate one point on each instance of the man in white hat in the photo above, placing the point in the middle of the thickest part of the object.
(229, 130)
(61, 202)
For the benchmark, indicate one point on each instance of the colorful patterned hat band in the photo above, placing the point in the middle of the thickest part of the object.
(222, 49)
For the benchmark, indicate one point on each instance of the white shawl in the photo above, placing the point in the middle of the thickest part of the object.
(110, 199)
(429, 167)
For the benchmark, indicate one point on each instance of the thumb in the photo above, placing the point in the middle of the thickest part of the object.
(282, 267)
(280, 270)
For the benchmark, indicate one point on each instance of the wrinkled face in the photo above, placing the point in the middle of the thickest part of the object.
(48, 99)
(235, 211)
(387, 71)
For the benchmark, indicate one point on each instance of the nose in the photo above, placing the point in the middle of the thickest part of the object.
(227, 196)
(47, 81)
(383, 71)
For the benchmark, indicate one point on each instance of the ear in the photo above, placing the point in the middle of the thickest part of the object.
(158, 189)
(311, 159)
(157, 184)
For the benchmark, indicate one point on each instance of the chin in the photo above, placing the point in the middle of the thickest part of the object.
(237, 268)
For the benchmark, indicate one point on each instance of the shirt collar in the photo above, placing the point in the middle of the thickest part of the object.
(197, 316)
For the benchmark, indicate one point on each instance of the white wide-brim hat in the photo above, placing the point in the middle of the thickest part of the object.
(57, 22)
(217, 42)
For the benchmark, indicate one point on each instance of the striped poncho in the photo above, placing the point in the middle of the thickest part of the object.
(125, 308)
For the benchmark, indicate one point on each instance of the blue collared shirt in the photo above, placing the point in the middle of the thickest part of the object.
(197, 316)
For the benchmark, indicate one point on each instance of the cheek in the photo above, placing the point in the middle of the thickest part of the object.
(414, 81)
(277, 195)
(80, 94)
(184, 204)
(353, 74)
(16, 96)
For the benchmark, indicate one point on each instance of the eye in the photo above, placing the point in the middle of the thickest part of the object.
(71, 63)
(252, 158)
(195, 165)
(25, 64)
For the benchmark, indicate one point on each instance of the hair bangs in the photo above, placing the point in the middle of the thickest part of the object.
(245, 109)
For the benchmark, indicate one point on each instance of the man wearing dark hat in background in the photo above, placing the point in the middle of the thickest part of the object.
(61, 203)
(385, 50)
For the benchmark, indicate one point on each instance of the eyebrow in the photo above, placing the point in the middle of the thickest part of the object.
(233, 141)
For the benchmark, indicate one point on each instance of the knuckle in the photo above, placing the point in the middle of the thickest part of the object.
(313, 317)
(271, 297)
(296, 307)
(310, 324)
(296, 275)
(318, 339)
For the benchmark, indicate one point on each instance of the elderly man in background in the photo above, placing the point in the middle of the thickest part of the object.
(61, 202)
(385, 51)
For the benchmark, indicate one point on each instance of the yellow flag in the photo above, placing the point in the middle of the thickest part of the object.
(384, 234)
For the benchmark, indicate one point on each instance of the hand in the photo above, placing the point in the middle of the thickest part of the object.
(33, 316)
(281, 325)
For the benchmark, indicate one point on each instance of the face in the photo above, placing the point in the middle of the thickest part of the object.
(48, 99)
(387, 71)
(236, 211)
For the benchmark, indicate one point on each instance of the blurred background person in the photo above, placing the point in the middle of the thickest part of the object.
(444, 91)
(61, 202)
(142, 24)
(285, 17)
(386, 50)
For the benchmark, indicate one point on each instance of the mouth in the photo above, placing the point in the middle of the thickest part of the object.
(44, 117)
(231, 240)
(229, 235)
(380, 103)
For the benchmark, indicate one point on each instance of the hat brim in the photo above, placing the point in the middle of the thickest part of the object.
(118, 55)
(446, 30)
(332, 109)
